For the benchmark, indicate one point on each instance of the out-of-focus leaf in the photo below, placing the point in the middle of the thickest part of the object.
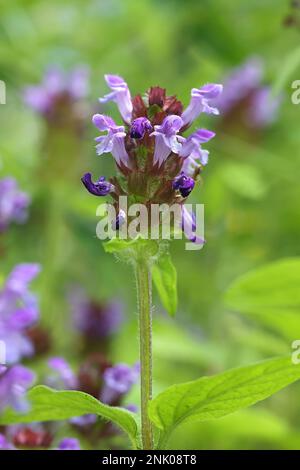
(165, 279)
(217, 396)
(52, 405)
(244, 179)
(270, 294)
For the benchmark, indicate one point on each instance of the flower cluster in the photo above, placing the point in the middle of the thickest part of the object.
(156, 161)
(58, 92)
(13, 203)
(246, 99)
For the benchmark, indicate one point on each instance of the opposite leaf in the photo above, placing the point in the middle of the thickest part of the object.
(165, 279)
(220, 395)
(52, 405)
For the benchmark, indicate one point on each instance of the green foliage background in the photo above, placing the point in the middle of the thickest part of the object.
(250, 190)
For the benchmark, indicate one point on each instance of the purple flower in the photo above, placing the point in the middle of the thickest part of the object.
(118, 381)
(200, 102)
(192, 151)
(85, 420)
(184, 184)
(99, 188)
(239, 84)
(139, 127)
(263, 109)
(166, 138)
(189, 227)
(5, 444)
(14, 382)
(93, 319)
(63, 376)
(56, 83)
(114, 141)
(69, 443)
(120, 94)
(120, 220)
(18, 311)
(13, 203)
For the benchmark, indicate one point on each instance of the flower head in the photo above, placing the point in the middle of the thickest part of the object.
(57, 86)
(13, 203)
(154, 157)
(62, 375)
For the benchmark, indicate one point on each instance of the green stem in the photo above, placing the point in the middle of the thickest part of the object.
(144, 288)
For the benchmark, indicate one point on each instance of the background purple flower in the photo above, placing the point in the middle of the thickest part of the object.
(13, 203)
(55, 84)
(118, 381)
(18, 311)
(61, 376)
(14, 381)
(69, 443)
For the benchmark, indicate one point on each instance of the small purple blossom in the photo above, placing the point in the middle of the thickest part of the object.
(184, 184)
(85, 420)
(192, 151)
(120, 94)
(18, 311)
(62, 376)
(166, 138)
(189, 227)
(114, 141)
(118, 381)
(139, 127)
(5, 444)
(69, 443)
(99, 187)
(42, 98)
(200, 102)
(13, 203)
(120, 220)
(14, 381)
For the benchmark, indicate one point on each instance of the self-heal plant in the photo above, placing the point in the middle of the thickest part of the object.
(156, 163)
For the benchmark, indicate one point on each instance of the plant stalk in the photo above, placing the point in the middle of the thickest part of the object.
(144, 291)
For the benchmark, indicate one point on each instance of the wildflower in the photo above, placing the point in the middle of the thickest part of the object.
(5, 444)
(13, 203)
(245, 100)
(69, 443)
(184, 184)
(139, 127)
(57, 88)
(99, 188)
(118, 381)
(120, 94)
(62, 376)
(18, 312)
(189, 227)
(14, 381)
(30, 436)
(155, 160)
(200, 102)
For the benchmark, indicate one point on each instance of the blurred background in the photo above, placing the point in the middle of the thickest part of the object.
(250, 188)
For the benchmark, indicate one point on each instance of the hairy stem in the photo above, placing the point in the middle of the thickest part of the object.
(144, 288)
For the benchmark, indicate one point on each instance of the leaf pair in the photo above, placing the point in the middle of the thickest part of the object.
(201, 400)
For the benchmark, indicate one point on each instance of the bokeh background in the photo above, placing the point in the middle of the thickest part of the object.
(250, 188)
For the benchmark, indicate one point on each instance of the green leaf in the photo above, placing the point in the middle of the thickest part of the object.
(165, 279)
(271, 295)
(219, 395)
(127, 247)
(52, 405)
